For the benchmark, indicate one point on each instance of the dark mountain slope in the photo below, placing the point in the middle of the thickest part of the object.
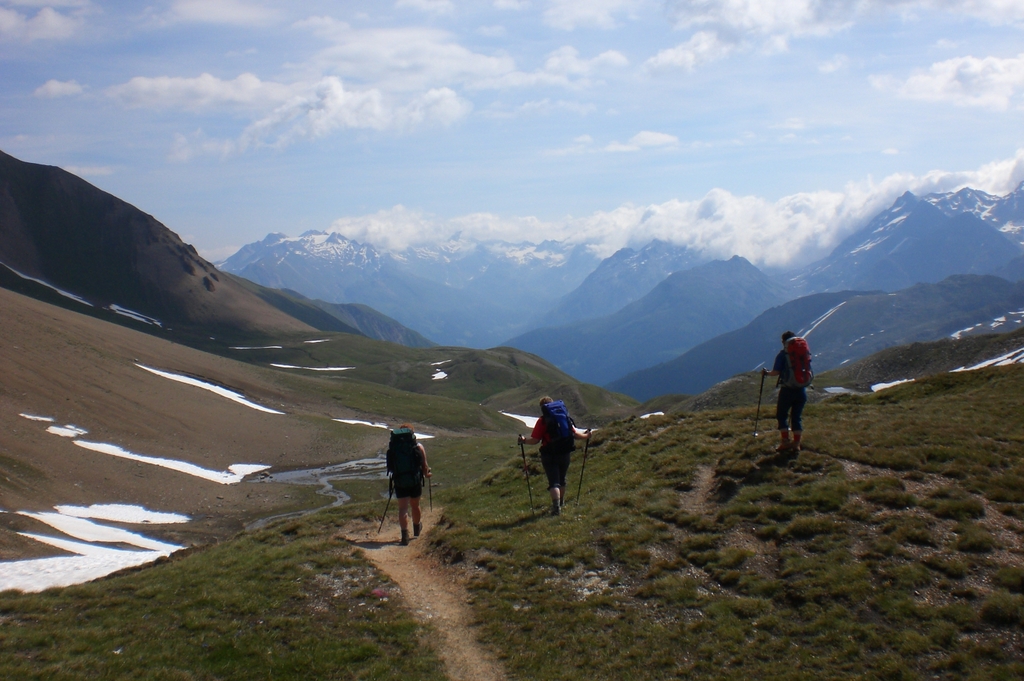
(60, 229)
(619, 280)
(914, 241)
(841, 327)
(683, 310)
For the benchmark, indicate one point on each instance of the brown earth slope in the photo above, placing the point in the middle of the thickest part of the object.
(81, 371)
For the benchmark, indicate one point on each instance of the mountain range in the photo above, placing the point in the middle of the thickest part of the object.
(457, 293)
(923, 241)
(613, 318)
(686, 308)
(65, 241)
(840, 327)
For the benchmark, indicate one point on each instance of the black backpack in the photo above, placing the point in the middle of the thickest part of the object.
(560, 428)
(405, 465)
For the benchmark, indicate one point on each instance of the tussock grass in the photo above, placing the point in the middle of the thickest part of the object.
(888, 549)
(290, 601)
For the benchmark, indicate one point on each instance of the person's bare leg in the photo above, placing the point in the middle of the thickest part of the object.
(403, 518)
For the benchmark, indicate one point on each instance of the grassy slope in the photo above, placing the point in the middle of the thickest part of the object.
(499, 378)
(892, 550)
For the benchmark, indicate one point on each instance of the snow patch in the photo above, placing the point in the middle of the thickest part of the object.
(439, 376)
(1014, 357)
(319, 340)
(262, 347)
(123, 513)
(86, 530)
(234, 474)
(216, 389)
(354, 422)
(31, 417)
(529, 421)
(67, 431)
(137, 316)
(817, 322)
(72, 296)
(653, 413)
(882, 386)
(292, 366)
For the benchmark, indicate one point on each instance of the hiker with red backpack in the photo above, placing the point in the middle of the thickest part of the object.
(793, 367)
(556, 432)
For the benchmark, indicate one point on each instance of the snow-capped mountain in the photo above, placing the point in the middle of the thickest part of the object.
(923, 241)
(626, 276)
(1005, 212)
(456, 293)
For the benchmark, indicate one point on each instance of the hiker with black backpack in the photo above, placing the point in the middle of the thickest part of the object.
(793, 367)
(556, 432)
(407, 469)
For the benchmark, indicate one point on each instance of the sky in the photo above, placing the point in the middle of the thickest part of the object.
(764, 128)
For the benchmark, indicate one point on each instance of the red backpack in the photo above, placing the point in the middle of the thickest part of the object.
(798, 356)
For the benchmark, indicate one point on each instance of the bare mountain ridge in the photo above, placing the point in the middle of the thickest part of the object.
(60, 229)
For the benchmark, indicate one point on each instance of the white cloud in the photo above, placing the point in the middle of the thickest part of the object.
(411, 59)
(792, 230)
(511, 4)
(562, 68)
(988, 82)
(702, 47)
(229, 12)
(202, 92)
(432, 6)
(891, 151)
(544, 107)
(491, 31)
(767, 17)
(647, 138)
(772, 24)
(571, 14)
(644, 139)
(47, 24)
(405, 59)
(836, 63)
(52, 89)
(323, 108)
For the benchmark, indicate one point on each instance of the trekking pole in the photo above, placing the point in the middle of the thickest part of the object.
(526, 469)
(583, 468)
(759, 393)
(430, 493)
(390, 485)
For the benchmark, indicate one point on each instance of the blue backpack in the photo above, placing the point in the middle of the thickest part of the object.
(560, 428)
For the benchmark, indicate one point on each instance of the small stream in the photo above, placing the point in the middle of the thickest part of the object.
(360, 469)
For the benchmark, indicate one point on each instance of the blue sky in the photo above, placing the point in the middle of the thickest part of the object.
(767, 128)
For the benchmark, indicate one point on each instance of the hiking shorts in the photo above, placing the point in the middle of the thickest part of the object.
(791, 404)
(555, 467)
(414, 492)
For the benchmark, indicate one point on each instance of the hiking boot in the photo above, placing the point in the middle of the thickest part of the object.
(416, 527)
(786, 445)
(555, 508)
(796, 440)
(405, 537)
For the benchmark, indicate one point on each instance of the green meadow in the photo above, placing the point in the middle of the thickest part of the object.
(890, 548)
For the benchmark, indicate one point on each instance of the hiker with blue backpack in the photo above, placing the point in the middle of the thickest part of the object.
(556, 432)
(793, 367)
(407, 469)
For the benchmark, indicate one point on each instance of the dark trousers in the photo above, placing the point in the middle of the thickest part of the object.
(555, 467)
(791, 405)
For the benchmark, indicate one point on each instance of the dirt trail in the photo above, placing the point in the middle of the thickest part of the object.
(434, 593)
